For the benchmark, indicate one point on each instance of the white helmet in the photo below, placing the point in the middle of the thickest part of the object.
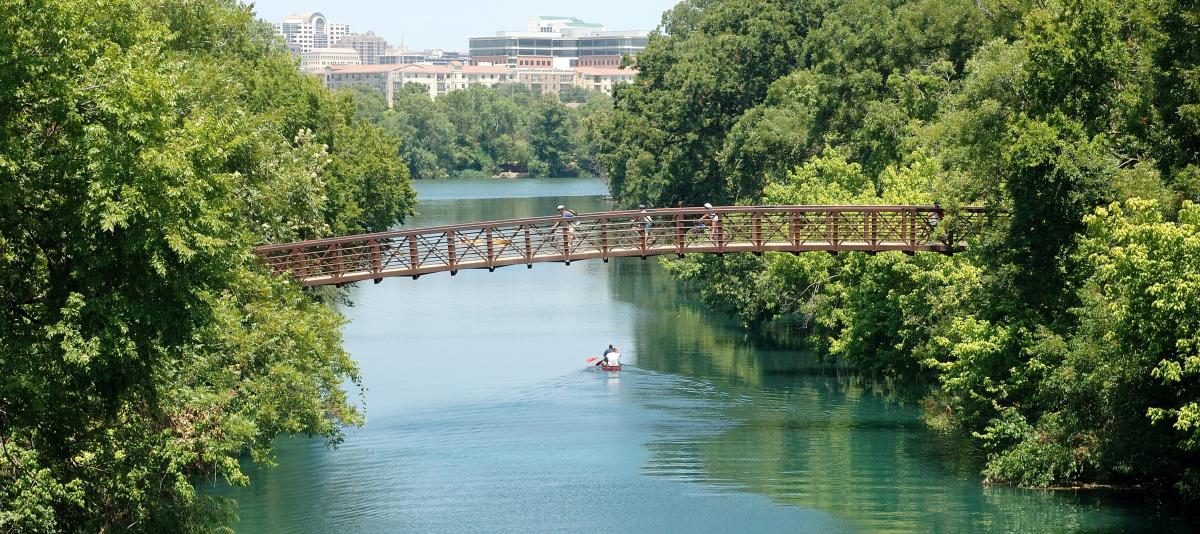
(707, 205)
(561, 207)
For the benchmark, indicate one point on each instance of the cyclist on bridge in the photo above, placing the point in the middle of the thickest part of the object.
(643, 222)
(569, 217)
(707, 220)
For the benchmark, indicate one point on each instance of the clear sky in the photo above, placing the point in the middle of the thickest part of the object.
(448, 23)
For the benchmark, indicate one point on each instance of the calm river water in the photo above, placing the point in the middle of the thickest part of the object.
(483, 417)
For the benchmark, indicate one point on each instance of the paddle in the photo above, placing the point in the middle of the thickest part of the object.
(592, 359)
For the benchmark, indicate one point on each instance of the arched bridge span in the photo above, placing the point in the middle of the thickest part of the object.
(757, 229)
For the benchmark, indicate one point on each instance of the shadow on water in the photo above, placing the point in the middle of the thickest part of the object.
(483, 417)
(806, 433)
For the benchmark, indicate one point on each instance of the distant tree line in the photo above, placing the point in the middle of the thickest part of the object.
(1067, 340)
(483, 131)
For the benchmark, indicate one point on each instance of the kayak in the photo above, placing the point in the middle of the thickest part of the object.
(616, 367)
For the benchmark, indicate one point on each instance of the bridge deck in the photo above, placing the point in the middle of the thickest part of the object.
(493, 244)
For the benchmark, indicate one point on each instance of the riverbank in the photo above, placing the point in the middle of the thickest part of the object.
(708, 429)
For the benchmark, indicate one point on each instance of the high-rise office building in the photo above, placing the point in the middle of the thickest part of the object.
(306, 31)
(558, 42)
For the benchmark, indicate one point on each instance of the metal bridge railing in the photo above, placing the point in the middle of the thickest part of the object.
(492, 244)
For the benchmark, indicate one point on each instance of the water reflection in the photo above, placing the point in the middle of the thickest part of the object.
(808, 434)
(483, 416)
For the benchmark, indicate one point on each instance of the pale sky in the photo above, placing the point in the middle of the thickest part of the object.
(448, 23)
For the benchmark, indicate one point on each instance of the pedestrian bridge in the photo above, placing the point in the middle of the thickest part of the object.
(756, 229)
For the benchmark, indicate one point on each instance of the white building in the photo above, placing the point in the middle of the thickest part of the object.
(309, 30)
(602, 79)
(369, 46)
(317, 59)
(552, 39)
(441, 79)
(563, 25)
(377, 77)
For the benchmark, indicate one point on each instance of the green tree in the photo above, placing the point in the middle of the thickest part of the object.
(1044, 112)
(551, 136)
(426, 134)
(575, 95)
(145, 147)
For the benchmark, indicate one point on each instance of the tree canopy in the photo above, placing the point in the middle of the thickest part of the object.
(145, 147)
(1049, 340)
(481, 131)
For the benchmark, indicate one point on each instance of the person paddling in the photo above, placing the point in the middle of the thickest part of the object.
(610, 358)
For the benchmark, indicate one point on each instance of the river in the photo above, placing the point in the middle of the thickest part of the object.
(482, 416)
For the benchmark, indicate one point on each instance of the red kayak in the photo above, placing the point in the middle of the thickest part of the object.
(611, 367)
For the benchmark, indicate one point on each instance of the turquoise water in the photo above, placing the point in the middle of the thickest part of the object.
(483, 416)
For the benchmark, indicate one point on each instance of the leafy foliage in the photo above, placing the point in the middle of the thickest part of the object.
(481, 131)
(145, 147)
(1063, 340)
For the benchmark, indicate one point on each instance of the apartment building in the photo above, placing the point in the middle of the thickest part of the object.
(602, 79)
(438, 80)
(377, 77)
(317, 59)
(545, 81)
(370, 46)
(441, 79)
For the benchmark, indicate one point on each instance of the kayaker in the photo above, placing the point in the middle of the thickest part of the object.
(611, 358)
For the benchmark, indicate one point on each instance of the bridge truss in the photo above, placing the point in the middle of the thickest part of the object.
(756, 229)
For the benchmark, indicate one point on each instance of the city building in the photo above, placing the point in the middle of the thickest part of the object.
(317, 59)
(546, 80)
(602, 79)
(369, 46)
(436, 79)
(306, 31)
(441, 79)
(436, 56)
(579, 43)
(377, 77)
